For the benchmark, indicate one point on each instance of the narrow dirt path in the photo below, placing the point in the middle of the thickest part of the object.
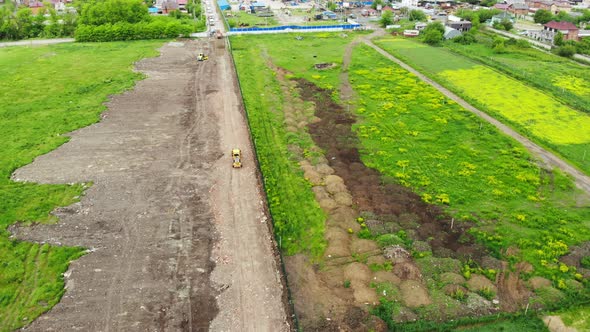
(581, 180)
(37, 42)
(149, 219)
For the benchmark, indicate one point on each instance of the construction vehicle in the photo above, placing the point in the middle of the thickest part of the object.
(237, 158)
(202, 57)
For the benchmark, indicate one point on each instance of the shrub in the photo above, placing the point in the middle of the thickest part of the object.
(465, 39)
(126, 31)
(566, 51)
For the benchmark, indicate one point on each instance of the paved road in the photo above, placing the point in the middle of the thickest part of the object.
(37, 42)
(581, 180)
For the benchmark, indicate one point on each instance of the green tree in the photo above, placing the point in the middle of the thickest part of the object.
(564, 17)
(25, 20)
(507, 24)
(53, 28)
(433, 37)
(435, 26)
(376, 3)
(417, 15)
(331, 6)
(69, 23)
(543, 16)
(566, 51)
(498, 45)
(433, 33)
(386, 19)
(558, 39)
(475, 23)
(113, 11)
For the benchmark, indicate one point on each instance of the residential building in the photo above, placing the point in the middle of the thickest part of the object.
(568, 29)
(451, 33)
(460, 26)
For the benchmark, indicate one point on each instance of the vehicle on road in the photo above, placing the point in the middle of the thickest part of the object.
(202, 57)
(237, 158)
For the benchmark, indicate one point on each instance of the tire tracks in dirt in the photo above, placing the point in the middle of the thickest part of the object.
(581, 180)
(147, 218)
(247, 265)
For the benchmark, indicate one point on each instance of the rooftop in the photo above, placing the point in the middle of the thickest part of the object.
(561, 25)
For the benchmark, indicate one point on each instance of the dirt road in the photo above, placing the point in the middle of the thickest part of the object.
(178, 238)
(581, 180)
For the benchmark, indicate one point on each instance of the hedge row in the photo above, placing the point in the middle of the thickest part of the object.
(128, 31)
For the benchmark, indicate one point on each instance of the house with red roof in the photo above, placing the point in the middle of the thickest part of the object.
(568, 29)
(502, 6)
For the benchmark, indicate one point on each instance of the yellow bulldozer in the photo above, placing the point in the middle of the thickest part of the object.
(237, 158)
(202, 57)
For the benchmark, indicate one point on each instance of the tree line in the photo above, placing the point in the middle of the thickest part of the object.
(95, 20)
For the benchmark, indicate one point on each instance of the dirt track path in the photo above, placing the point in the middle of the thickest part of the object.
(150, 218)
(581, 180)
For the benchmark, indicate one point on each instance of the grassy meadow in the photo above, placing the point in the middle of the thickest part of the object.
(531, 111)
(416, 137)
(565, 79)
(48, 91)
(413, 134)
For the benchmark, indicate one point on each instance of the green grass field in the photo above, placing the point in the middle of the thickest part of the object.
(565, 79)
(531, 111)
(415, 136)
(48, 91)
(411, 133)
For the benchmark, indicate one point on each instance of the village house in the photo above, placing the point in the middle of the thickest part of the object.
(568, 29)
(546, 5)
(547, 35)
(460, 25)
(519, 9)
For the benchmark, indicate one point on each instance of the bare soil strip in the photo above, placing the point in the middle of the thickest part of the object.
(150, 219)
(581, 180)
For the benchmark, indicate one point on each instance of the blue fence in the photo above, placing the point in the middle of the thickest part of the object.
(297, 27)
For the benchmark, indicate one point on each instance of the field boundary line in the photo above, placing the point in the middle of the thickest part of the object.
(581, 180)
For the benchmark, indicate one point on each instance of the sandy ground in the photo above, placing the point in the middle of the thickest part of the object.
(178, 239)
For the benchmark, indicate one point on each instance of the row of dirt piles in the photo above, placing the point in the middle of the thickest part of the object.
(338, 293)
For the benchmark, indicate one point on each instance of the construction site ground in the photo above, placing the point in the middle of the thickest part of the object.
(177, 239)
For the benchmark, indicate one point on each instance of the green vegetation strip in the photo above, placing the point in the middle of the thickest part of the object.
(48, 91)
(411, 133)
(539, 116)
(298, 219)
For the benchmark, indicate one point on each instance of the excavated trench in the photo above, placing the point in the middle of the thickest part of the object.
(389, 202)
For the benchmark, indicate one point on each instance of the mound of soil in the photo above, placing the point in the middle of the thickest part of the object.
(414, 294)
